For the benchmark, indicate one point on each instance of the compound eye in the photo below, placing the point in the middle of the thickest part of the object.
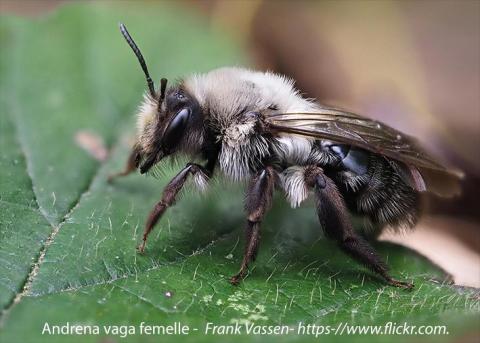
(180, 96)
(174, 131)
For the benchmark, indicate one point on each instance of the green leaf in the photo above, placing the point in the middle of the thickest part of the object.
(68, 238)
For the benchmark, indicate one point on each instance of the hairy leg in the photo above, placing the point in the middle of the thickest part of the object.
(334, 218)
(169, 196)
(130, 166)
(258, 200)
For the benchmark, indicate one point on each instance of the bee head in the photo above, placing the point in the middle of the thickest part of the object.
(164, 117)
(165, 125)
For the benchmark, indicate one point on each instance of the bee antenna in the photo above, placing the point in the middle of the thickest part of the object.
(163, 87)
(140, 58)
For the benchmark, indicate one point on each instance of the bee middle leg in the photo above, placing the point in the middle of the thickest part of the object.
(334, 218)
(169, 195)
(257, 202)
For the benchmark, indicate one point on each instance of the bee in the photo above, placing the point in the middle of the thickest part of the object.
(255, 126)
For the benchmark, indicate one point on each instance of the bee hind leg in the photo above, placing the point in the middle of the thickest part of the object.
(334, 218)
(257, 202)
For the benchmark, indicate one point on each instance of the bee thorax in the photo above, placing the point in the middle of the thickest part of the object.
(239, 134)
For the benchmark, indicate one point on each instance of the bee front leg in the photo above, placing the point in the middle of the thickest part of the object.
(169, 195)
(130, 166)
(258, 200)
(334, 218)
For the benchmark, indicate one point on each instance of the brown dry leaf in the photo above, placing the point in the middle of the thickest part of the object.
(92, 143)
(456, 251)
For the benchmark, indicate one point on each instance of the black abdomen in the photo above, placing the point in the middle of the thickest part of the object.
(370, 185)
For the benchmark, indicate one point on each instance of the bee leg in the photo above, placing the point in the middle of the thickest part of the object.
(335, 220)
(258, 200)
(130, 166)
(169, 195)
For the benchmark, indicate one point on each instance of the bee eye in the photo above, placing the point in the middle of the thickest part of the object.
(174, 131)
(180, 96)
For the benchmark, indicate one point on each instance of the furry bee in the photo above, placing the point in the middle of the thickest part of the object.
(256, 126)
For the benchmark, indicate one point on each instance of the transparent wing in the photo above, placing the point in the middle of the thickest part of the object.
(352, 129)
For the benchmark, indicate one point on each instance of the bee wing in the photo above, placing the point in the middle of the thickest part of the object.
(404, 152)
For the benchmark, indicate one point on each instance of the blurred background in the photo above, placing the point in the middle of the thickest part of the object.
(414, 65)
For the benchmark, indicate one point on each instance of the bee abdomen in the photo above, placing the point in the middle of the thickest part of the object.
(386, 199)
(371, 187)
